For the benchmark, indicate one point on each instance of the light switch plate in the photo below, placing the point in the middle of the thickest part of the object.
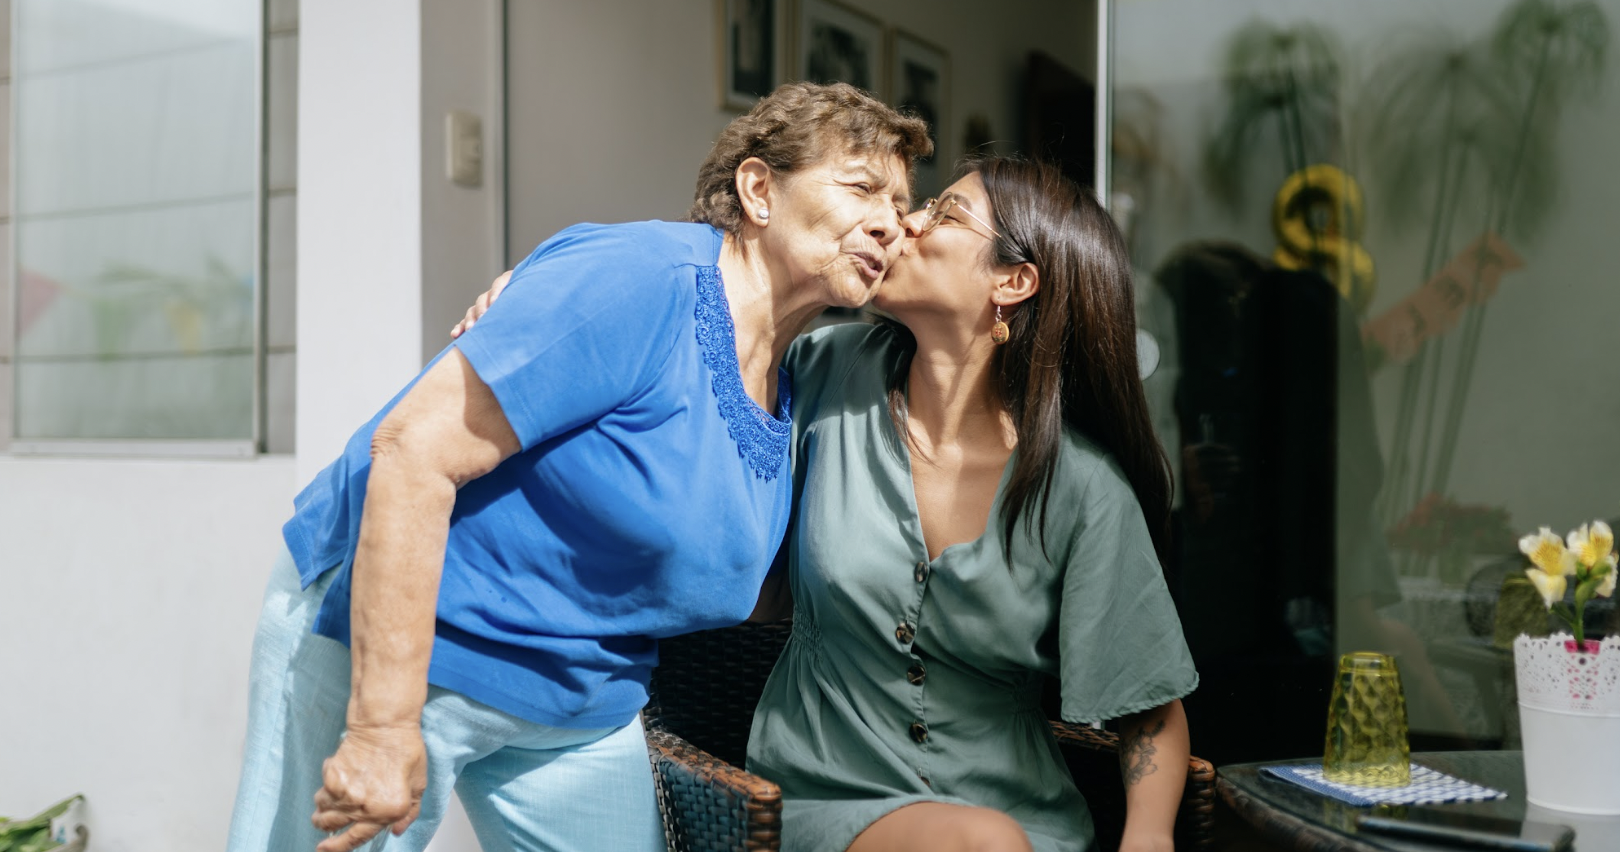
(464, 148)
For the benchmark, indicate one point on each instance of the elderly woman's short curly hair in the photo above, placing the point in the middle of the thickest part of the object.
(795, 127)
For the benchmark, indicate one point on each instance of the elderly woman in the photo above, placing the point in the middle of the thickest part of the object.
(981, 503)
(487, 568)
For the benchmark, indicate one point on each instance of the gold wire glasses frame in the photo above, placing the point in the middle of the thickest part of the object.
(937, 208)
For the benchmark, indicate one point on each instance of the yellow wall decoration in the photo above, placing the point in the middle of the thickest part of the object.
(1317, 216)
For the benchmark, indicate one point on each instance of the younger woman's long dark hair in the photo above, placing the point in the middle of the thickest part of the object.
(1071, 357)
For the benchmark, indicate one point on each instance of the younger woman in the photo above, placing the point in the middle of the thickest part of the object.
(981, 499)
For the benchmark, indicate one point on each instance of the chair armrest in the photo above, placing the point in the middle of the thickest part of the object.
(1196, 816)
(1085, 736)
(709, 804)
(1195, 823)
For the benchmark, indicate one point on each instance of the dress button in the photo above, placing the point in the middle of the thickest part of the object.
(916, 673)
(905, 633)
(919, 732)
(921, 572)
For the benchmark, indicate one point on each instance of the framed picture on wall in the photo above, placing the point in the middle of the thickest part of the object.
(920, 83)
(750, 50)
(838, 44)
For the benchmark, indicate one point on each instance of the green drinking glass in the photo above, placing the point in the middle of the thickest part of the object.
(1366, 731)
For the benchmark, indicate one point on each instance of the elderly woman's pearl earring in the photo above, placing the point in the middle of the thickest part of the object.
(764, 214)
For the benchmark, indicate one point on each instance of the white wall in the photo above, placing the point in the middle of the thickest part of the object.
(359, 216)
(613, 127)
(129, 590)
(390, 252)
(611, 106)
(463, 228)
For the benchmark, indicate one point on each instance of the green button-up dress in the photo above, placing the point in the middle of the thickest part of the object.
(908, 679)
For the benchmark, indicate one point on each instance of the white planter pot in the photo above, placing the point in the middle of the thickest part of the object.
(1569, 713)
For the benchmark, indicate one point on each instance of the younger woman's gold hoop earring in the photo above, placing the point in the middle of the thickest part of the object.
(999, 332)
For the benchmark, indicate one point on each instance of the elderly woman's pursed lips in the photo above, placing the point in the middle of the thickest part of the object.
(872, 264)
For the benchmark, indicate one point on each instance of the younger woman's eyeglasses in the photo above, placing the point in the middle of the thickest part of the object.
(937, 209)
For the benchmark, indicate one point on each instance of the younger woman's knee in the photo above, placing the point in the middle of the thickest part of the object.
(940, 827)
(987, 830)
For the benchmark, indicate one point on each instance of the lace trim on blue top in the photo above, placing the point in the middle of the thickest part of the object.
(761, 438)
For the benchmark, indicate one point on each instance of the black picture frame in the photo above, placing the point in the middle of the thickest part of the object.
(920, 83)
(837, 44)
(750, 38)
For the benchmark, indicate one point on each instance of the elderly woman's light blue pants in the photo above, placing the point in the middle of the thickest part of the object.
(524, 786)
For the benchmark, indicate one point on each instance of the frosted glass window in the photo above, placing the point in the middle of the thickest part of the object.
(137, 214)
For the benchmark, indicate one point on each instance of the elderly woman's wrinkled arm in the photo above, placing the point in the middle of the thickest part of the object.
(448, 430)
(1153, 750)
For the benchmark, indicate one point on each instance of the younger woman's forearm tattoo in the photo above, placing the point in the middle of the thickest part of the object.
(1136, 752)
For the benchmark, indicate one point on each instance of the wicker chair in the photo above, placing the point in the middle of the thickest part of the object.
(703, 697)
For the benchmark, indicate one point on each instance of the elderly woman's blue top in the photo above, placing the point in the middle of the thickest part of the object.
(648, 499)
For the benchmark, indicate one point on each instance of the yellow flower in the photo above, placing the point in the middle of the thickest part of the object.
(1606, 588)
(1551, 586)
(1592, 544)
(1548, 553)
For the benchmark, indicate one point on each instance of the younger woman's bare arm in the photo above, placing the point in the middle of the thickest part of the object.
(1153, 753)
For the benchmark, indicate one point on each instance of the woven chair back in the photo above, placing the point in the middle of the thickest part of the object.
(707, 685)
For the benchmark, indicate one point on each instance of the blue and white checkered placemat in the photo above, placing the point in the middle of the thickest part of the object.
(1428, 787)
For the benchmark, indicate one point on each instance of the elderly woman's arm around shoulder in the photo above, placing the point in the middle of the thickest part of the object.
(448, 430)
(1153, 752)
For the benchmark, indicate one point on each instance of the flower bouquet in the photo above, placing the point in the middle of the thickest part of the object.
(1569, 686)
(1589, 558)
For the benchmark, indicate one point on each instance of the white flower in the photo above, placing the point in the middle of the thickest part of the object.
(1592, 544)
(1606, 588)
(1548, 553)
(1551, 586)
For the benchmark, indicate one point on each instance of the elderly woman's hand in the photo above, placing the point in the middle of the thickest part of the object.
(446, 431)
(373, 783)
(481, 304)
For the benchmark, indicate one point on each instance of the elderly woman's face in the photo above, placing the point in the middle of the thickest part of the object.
(837, 225)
